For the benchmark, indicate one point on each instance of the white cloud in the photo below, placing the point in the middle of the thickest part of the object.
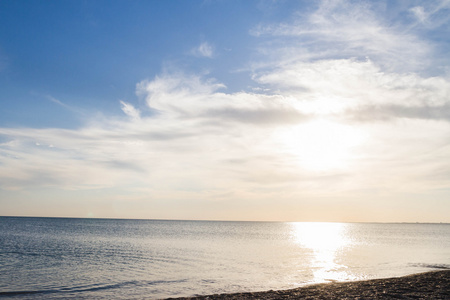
(200, 131)
(188, 97)
(419, 13)
(205, 49)
(177, 93)
(130, 110)
(169, 151)
(333, 86)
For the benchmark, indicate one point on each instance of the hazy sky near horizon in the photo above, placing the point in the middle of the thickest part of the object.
(230, 110)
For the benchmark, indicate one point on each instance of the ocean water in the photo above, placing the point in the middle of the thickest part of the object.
(51, 258)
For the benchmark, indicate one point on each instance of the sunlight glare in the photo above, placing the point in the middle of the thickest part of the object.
(325, 240)
(320, 236)
(322, 144)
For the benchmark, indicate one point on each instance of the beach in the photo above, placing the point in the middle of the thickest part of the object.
(430, 285)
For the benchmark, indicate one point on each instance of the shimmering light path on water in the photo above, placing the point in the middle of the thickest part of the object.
(85, 258)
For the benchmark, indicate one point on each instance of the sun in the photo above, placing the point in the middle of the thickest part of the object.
(322, 144)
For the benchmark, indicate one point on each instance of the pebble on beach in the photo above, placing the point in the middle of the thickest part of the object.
(430, 285)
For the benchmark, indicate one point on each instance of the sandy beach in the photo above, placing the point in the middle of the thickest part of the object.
(430, 285)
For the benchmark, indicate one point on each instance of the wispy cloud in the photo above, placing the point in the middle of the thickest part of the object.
(66, 106)
(130, 110)
(432, 13)
(419, 13)
(205, 49)
(343, 29)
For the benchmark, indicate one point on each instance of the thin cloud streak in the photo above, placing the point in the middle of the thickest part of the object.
(130, 110)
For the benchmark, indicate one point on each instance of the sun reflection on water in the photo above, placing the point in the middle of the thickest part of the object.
(326, 241)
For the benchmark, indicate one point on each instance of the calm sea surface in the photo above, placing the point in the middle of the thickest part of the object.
(47, 258)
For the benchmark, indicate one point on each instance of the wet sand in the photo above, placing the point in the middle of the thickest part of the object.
(430, 285)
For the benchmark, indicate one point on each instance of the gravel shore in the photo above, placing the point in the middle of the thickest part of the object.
(430, 285)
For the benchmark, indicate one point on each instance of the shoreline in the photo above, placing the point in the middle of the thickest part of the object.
(428, 285)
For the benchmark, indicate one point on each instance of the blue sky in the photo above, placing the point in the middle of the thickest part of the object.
(93, 53)
(239, 110)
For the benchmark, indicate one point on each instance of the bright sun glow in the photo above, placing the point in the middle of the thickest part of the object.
(320, 236)
(322, 144)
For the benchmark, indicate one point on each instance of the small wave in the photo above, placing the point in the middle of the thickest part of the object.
(17, 293)
(81, 289)
(433, 266)
(34, 254)
(121, 285)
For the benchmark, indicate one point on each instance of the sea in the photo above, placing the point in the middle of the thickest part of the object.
(64, 258)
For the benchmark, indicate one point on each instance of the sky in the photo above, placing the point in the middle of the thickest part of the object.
(330, 111)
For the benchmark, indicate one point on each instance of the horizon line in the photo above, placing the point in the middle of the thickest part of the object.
(211, 220)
